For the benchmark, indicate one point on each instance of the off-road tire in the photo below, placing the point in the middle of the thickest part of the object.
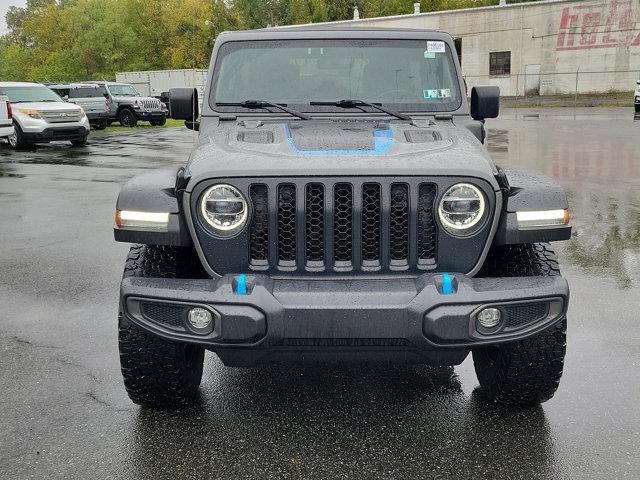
(79, 143)
(159, 123)
(637, 108)
(127, 118)
(17, 141)
(100, 125)
(157, 372)
(525, 372)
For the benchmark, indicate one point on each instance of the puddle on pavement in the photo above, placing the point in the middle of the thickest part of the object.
(598, 163)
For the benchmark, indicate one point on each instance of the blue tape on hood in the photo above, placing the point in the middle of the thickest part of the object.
(382, 143)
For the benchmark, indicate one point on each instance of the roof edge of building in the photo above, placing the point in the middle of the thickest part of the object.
(440, 12)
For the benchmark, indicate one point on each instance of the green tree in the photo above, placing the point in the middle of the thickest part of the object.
(62, 40)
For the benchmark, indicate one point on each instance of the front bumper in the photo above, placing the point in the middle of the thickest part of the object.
(60, 133)
(408, 320)
(96, 116)
(151, 114)
(6, 130)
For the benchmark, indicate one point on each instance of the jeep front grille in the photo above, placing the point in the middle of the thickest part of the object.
(312, 226)
(150, 104)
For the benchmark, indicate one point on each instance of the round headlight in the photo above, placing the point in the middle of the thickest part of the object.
(461, 209)
(224, 208)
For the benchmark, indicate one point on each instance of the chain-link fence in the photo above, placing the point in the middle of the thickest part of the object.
(581, 87)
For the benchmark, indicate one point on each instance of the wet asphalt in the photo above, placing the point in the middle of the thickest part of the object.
(64, 412)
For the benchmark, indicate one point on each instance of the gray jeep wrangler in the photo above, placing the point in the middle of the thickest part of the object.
(128, 107)
(340, 206)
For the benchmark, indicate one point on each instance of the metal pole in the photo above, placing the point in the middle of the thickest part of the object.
(575, 95)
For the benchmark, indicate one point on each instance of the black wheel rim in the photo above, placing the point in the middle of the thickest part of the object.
(126, 119)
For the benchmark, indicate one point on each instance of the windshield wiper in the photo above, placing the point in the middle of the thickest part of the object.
(255, 104)
(352, 103)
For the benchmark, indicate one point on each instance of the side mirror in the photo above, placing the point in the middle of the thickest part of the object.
(184, 104)
(485, 102)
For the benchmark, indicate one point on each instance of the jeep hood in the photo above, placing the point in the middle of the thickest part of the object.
(127, 99)
(337, 148)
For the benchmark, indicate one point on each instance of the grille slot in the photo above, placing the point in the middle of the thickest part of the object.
(287, 225)
(342, 224)
(427, 238)
(168, 315)
(399, 224)
(327, 226)
(371, 216)
(520, 315)
(259, 231)
(314, 224)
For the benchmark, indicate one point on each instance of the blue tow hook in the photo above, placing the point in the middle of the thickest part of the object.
(241, 284)
(447, 284)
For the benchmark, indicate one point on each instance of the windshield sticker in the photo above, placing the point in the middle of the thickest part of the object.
(430, 94)
(429, 55)
(435, 47)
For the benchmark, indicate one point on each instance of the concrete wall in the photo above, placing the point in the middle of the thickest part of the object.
(591, 45)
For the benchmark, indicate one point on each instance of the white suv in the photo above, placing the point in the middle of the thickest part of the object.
(41, 116)
(636, 97)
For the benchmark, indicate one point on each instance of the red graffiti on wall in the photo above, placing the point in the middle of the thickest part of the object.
(598, 25)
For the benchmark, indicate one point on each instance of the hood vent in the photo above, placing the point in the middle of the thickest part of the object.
(422, 136)
(256, 136)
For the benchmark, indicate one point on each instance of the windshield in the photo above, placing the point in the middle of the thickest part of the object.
(87, 92)
(123, 91)
(406, 75)
(35, 93)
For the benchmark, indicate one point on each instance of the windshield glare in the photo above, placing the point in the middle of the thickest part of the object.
(123, 91)
(86, 92)
(408, 75)
(35, 93)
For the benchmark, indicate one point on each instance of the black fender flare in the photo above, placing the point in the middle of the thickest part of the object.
(155, 192)
(530, 190)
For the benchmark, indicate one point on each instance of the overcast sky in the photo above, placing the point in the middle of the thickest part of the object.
(4, 6)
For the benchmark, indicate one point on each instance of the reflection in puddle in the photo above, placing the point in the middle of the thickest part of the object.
(338, 421)
(597, 161)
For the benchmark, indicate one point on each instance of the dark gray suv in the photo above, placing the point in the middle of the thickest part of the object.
(340, 206)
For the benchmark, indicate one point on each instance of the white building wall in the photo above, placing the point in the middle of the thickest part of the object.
(596, 42)
(155, 82)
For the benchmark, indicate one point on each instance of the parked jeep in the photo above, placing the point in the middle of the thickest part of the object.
(92, 98)
(41, 116)
(340, 206)
(128, 107)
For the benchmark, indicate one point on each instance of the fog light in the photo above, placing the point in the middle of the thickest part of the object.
(200, 318)
(489, 317)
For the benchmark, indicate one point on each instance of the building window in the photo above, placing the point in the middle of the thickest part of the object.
(500, 63)
(457, 42)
